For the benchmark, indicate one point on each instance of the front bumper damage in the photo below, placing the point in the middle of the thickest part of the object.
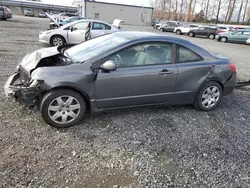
(25, 94)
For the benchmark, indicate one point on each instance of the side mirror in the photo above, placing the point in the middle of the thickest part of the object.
(108, 66)
(72, 29)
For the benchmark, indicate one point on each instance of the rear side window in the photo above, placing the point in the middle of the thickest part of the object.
(193, 26)
(246, 33)
(185, 55)
(100, 26)
(222, 28)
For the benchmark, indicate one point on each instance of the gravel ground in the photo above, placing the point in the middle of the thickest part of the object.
(141, 147)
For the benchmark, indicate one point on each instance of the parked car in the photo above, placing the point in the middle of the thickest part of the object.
(154, 22)
(120, 70)
(42, 15)
(185, 29)
(28, 12)
(204, 31)
(169, 27)
(158, 26)
(74, 32)
(65, 21)
(224, 29)
(240, 36)
(5, 13)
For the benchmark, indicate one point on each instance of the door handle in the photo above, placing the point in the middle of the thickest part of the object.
(165, 71)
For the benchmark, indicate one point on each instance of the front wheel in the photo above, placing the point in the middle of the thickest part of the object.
(191, 34)
(209, 96)
(223, 39)
(62, 108)
(57, 41)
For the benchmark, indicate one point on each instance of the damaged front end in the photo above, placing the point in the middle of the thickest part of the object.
(24, 91)
(22, 85)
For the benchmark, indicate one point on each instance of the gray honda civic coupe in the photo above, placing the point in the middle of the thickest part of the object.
(120, 70)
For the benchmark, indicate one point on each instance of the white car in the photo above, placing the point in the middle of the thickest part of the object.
(74, 32)
(248, 41)
(185, 29)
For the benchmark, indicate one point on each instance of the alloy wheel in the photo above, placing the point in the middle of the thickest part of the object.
(210, 97)
(64, 109)
(57, 41)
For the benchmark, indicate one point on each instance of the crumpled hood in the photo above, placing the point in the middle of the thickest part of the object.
(31, 61)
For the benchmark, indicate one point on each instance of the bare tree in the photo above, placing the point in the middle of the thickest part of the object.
(206, 14)
(228, 9)
(219, 6)
(189, 10)
(193, 8)
(239, 13)
(231, 11)
(245, 11)
(181, 10)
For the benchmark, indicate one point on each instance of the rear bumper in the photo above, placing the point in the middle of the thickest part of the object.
(229, 85)
(27, 96)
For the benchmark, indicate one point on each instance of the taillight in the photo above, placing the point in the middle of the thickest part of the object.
(218, 31)
(233, 68)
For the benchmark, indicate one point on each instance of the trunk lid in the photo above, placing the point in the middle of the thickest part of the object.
(117, 23)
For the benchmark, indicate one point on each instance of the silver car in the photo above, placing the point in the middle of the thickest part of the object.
(74, 32)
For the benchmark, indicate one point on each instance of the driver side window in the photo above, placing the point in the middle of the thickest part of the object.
(81, 26)
(144, 54)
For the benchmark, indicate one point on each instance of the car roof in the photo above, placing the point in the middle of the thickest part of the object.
(133, 35)
(85, 20)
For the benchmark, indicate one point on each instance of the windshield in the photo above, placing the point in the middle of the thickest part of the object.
(89, 49)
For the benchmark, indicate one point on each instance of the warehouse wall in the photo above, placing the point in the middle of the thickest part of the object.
(108, 12)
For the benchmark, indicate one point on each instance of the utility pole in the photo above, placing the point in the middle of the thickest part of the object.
(141, 17)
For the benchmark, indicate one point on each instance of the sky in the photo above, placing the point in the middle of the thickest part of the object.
(129, 2)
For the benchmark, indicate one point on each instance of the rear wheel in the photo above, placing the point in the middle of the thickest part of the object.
(209, 96)
(211, 36)
(178, 32)
(57, 40)
(62, 108)
(223, 39)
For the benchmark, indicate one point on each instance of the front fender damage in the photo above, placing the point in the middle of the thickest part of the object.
(25, 93)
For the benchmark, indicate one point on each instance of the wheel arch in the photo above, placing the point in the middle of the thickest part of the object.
(78, 90)
(212, 79)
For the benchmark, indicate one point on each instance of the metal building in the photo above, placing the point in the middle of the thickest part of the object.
(17, 7)
(132, 15)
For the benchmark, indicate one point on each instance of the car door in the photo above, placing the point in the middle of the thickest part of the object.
(244, 36)
(145, 75)
(192, 70)
(77, 33)
(99, 29)
(200, 31)
(235, 36)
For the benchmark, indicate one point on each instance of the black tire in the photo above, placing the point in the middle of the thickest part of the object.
(51, 96)
(57, 37)
(191, 34)
(211, 36)
(178, 32)
(199, 99)
(223, 39)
